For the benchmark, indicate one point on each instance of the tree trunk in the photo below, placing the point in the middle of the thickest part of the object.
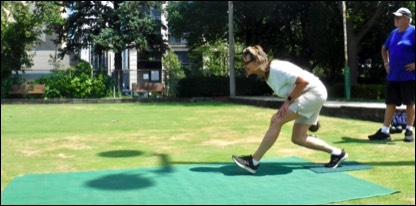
(118, 60)
(353, 59)
(118, 71)
(354, 38)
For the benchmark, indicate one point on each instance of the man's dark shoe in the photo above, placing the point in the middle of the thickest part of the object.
(337, 159)
(379, 135)
(245, 162)
(408, 136)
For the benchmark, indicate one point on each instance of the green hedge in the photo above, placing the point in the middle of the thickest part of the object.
(213, 86)
(358, 91)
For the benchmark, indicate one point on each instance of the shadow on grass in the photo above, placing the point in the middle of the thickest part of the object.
(367, 141)
(394, 163)
(165, 165)
(120, 153)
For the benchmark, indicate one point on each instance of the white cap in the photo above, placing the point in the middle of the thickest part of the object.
(403, 12)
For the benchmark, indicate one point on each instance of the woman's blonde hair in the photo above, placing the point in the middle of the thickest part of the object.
(259, 55)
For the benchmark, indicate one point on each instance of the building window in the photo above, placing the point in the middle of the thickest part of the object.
(145, 76)
(155, 76)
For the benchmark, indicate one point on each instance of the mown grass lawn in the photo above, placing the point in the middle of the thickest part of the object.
(85, 137)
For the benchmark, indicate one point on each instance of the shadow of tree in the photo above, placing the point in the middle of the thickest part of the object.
(120, 153)
(394, 163)
(120, 182)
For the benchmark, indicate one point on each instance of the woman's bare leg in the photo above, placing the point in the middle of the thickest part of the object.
(300, 137)
(272, 133)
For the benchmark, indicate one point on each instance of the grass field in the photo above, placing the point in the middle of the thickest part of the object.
(85, 137)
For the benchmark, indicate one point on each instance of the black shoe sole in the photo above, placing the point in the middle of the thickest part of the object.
(244, 167)
(339, 162)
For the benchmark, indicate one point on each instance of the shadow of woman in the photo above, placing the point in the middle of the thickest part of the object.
(264, 169)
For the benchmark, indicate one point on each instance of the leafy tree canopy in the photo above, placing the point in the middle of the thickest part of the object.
(21, 25)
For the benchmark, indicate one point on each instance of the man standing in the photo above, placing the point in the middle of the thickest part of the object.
(398, 53)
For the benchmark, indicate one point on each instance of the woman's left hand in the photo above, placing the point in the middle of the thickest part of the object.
(283, 109)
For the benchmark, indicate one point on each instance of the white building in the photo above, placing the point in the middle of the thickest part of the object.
(43, 54)
(135, 66)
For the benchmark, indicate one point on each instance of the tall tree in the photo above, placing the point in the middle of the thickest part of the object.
(198, 21)
(173, 72)
(112, 26)
(21, 25)
(280, 28)
(308, 33)
(359, 23)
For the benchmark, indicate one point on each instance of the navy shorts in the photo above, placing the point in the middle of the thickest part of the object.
(399, 93)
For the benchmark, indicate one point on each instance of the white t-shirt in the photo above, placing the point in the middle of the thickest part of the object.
(282, 78)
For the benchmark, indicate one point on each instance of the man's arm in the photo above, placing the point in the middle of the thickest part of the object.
(385, 56)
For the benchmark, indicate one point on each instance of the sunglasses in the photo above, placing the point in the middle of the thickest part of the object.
(246, 54)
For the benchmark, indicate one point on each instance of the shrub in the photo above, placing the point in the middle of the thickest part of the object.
(76, 82)
(214, 86)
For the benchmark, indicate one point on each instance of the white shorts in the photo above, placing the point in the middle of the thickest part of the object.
(309, 105)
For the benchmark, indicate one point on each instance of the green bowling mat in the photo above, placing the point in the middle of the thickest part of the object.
(344, 166)
(277, 181)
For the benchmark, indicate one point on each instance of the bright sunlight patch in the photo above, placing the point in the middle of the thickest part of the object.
(277, 181)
